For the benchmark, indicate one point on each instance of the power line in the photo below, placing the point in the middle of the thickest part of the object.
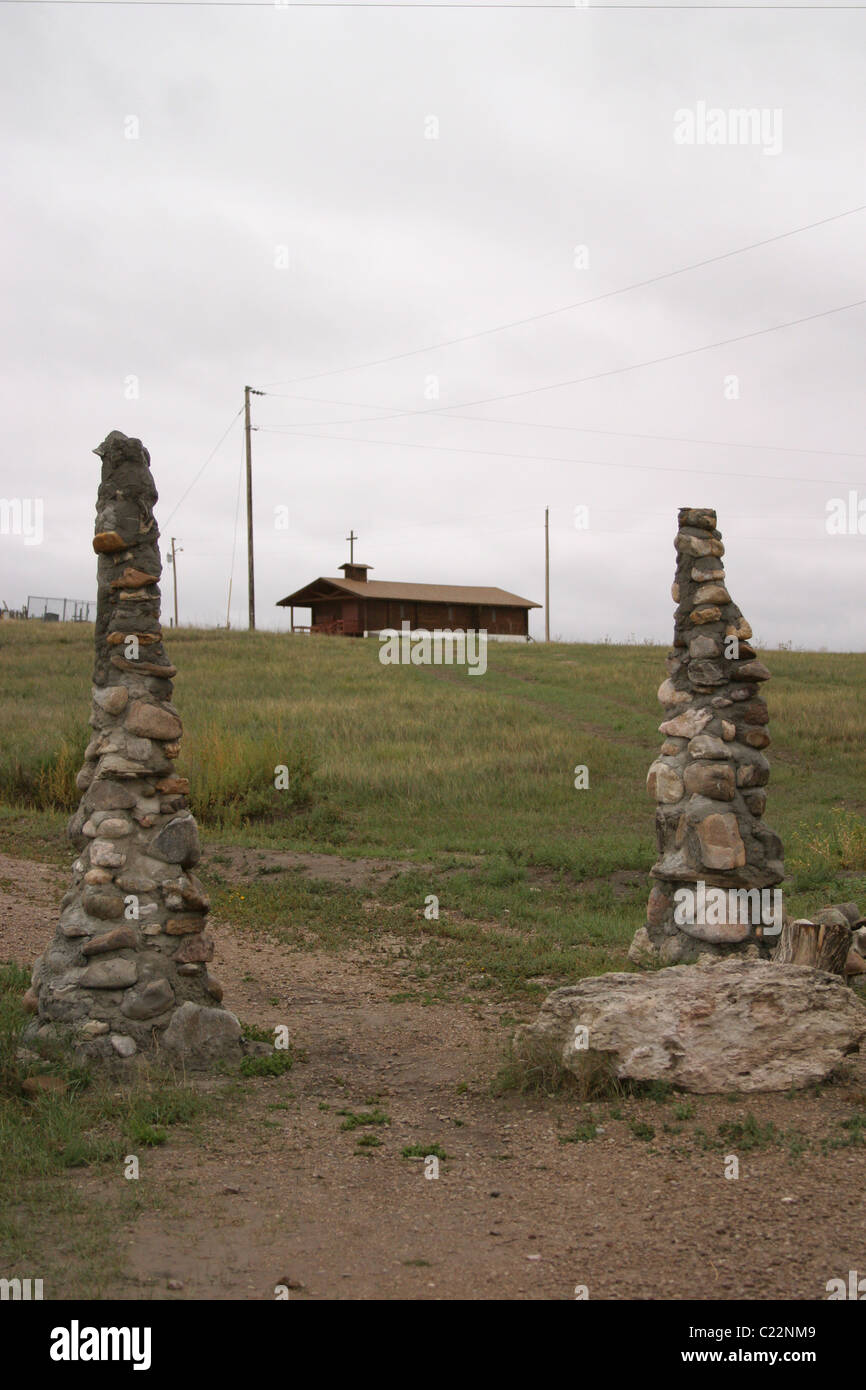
(404, 5)
(576, 304)
(339, 5)
(634, 366)
(557, 458)
(669, 438)
(455, 524)
(451, 522)
(544, 425)
(657, 361)
(200, 471)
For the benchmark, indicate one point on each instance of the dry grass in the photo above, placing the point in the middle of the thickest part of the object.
(472, 776)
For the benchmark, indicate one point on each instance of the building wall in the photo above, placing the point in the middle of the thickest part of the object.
(372, 615)
(513, 622)
(326, 610)
(352, 624)
(456, 617)
(348, 610)
(376, 614)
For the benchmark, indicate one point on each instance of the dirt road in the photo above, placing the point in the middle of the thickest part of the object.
(288, 1197)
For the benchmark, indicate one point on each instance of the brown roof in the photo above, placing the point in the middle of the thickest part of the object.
(422, 593)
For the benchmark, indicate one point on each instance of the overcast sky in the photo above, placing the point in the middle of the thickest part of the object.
(157, 265)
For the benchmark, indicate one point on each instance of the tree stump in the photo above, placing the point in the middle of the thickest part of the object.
(823, 945)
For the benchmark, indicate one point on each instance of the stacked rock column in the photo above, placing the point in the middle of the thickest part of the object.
(127, 972)
(710, 777)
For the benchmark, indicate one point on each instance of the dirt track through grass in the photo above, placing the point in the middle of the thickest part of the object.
(537, 1194)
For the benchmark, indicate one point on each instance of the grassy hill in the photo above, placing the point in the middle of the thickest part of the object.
(468, 778)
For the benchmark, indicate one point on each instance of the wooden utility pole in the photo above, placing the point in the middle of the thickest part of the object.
(250, 570)
(547, 574)
(172, 560)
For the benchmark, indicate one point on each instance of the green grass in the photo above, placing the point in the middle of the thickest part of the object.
(272, 1064)
(486, 765)
(747, 1134)
(363, 1117)
(49, 1228)
(424, 1151)
(470, 782)
(581, 1133)
(253, 1033)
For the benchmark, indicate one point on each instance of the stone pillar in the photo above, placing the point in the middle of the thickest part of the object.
(127, 974)
(710, 776)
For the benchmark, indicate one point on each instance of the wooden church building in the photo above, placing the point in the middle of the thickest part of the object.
(355, 606)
